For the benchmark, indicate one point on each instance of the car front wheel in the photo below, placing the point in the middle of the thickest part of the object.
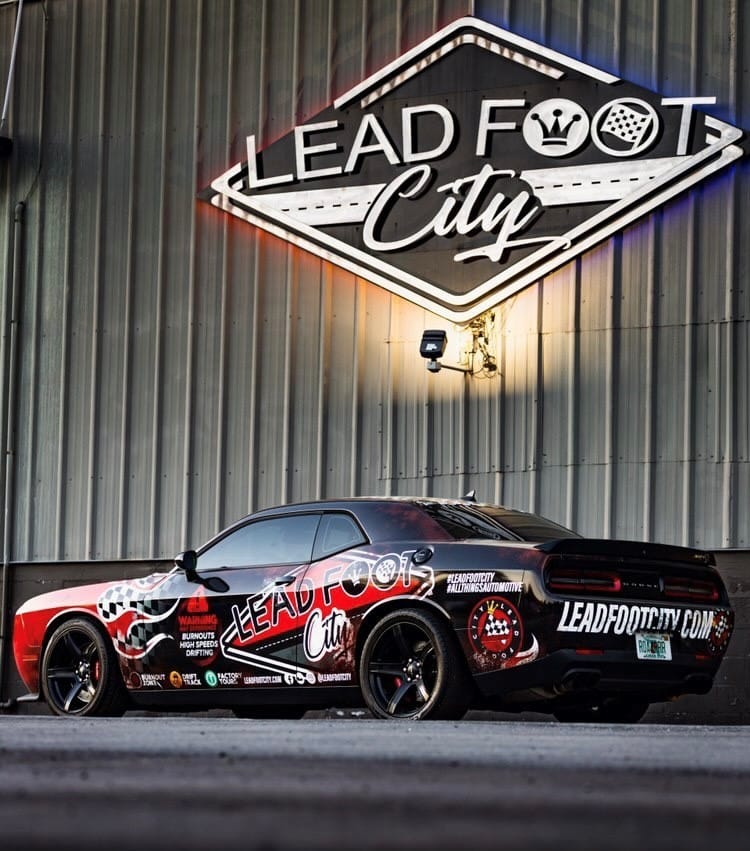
(79, 674)
(411, 668)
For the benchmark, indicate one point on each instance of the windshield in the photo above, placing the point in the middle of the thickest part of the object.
(462, 521)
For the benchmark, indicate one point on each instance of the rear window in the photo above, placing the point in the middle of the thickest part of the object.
(469, 521)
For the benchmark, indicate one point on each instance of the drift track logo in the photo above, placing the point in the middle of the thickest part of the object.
(473, 165)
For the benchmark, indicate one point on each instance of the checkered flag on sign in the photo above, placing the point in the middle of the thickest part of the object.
(627, 124)
(494, 627)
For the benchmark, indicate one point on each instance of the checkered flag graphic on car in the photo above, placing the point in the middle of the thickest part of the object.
(137, 638)
(494, 627)
(721, 623)
(626, 124)
(135, 613)
(121, 598)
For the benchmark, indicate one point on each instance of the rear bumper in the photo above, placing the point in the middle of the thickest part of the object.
(566, 672)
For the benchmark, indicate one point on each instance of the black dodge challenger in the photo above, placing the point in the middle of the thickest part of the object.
(420, 608)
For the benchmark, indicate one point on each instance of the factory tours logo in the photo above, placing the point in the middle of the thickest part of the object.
(473, 165)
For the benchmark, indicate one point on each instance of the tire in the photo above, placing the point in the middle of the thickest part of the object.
(411, 667)
(80, 673)
(608, 712)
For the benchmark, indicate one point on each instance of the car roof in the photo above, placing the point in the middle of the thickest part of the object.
(353, 501)
(350, 504)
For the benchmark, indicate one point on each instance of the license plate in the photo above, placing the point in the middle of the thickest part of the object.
(653, 647)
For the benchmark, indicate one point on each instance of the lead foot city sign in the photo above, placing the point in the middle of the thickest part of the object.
(472, 166)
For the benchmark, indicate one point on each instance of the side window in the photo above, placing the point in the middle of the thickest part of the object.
(337, 532)
(278, 540)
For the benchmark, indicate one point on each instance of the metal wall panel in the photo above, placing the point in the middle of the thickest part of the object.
(178, 368)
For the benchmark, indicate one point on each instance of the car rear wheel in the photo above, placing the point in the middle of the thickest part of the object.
(80, 674)
(607, 712)
(411, 667)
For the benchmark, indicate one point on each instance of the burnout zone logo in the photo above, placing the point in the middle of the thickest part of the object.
(472, 166)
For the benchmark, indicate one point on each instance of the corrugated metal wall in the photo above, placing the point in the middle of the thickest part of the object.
(178, 368)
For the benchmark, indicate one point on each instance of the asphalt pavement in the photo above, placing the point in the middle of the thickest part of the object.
(223, 783)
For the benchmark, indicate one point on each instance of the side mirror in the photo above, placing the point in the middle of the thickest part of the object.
(215, 584)
(186, 562)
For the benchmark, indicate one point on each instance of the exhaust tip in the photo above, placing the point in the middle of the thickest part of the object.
(579, 681)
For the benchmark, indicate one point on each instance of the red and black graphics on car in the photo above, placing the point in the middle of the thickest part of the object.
(497, 637)
(316, 607)
(392, 607)
(495, 629)
(298, 628)
(198, 629)
(599, 618)
(137, 614)
(721, 632)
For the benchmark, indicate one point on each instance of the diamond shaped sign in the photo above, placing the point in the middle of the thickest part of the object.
(473, 165)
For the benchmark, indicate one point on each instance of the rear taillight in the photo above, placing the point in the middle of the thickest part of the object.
(680, 588)
(583, 581)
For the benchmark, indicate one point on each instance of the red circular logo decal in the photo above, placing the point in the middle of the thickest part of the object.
(495, 628)
(721, 632)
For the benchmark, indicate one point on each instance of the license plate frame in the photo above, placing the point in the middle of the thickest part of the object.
(653, 646)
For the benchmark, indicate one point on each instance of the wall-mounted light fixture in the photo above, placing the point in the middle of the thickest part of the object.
(432, 347)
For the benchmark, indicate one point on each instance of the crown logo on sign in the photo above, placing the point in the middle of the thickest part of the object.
(555, 133)
(491, 607)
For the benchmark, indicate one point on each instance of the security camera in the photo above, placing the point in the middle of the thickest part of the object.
(433, 345)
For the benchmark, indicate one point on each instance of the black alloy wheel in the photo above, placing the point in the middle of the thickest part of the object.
(411, 668)
(80, 674)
